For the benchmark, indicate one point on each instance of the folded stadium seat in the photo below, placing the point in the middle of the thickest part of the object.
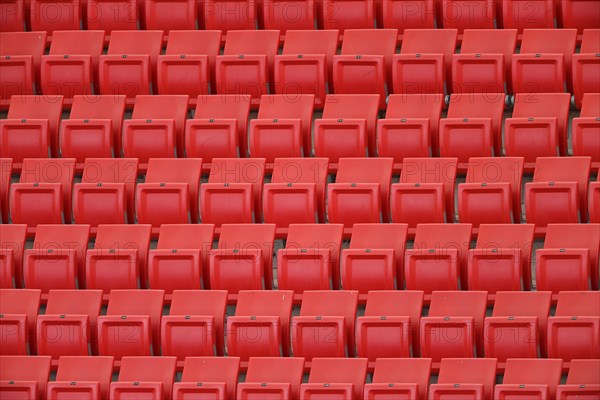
(54, 15)
(296, 192)
(389, 326)
(484, 62)
(283, 126)
(180, 257)
(105, 193)
(402, 378)
(528, 14)
(347, 14)
(410, 127)
(66, 327)
(594, 201)
(13, 16)
(473, 127)
(425, 192)
(374, 259)
(24, 377)
(188, 65)
(364, 65)
(194, 326)
(543, 64)
(305, 65)
(517, 326)
(325, 326)
(583, 380)
(12, 245)
(465, 378)
(144, 377)
(243, 259)
(569, 259)
(438, 259)
(71, 67)
(112, 15)
(129, 66)
(586, 66)
(585, 130)
(85, 377)
(118, 259)
(261, 324)
(530, 378)
(230, 15)
(538, 127)
(558, 192)
(93, 128)
(284, 15)
(424, 64)
(311, 258)
(361, 191)
(57, 259)
(6, 169)
(471, 14)
(131, 326)
(169, 15)
(580, 14)
(454, 325)
(407, 14)
(18, 313)
(492, 191)
(169, 194)
(43, 194)
(501, 259)
(20, 60)
(208, 377)
(246, 66)
(338, 378)
(347, 127)
(30, 129)
(219, 127)
(272, 377)
(573, 331)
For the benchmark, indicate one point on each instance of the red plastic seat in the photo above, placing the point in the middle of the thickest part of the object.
(463, 378)
(6, 169)
(194, 326)
(283, 126)
(54, 15)
(229, 15)
(337, 378)
(594, 202)
(583, 380)
(112, 15)
(43, 194)
(389, 327)
(348, 14)
(211, 378)
(24, 377)
(118, 259)
(347, 128)
(527, 378)
(131, 326)
(169, 15)
(144, 377)
(375, 258)
(586, 66)
(169, 194)
(438, 259)
(585, 131)
(558, 192)
(286, 15)
(580, 14)
(527, 14)
(475, 14)
(31, 127)
(13, 16)
(12, 245)
(425, 193)
(18, 313)
(454, 325)
(66, 327)
(492, 191)
(402, 378)
(325, 326)
(408, 14)
(296, 192)
(243, 259)
(84, 377)
(272, 377)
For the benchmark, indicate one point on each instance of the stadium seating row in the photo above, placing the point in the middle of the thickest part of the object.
(393, 325)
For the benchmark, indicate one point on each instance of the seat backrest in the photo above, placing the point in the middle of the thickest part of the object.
(176, 170)
(213, 369)
(111, 170)
(276, 370)
(56, 237)
(366, 170)
(135, 237)
(21, 301)
(264, 42)
(400, 303)
(101, 107)
(459, 304)
(78, 43)
(539, 41)
(230, 106)
(37, 107)
(199, 302)
(525, 304)
(404, 370)
(149, 369)
(301, 170)
(340, 370)
(195, 43)
(13, 237)
(534, 371)
(444, 237)
(590, 41)
(27, 368)
(527, 14)
(507, 236)
(581, 304)
(300, 106)
(372, 42)
(329, 303)
(380, 236)
(360, 106)
(136, 42)
(590, 106)
(266, 303)
(24, 44)
(469, 370)
(494, 41)
(436, 41)
(584, 372)
(416, 106)
(186, 236)
(86, 369)
(75, 302)
(239, 170)
(312, 42)
(543, 105)
(478, 105)
(249, 236)
(578, 236)
(316, 236)
(162, 107)
(136, 302)
(496, 169)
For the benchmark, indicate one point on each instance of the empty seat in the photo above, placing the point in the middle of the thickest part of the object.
(285, 15)
(527, 14)
(558, 192)
(118, 258)
(24, 377)
(283, 126)
(389, 327)
(311, 258)
(18, 311)
(492, 191)
(585, 130)
(67, 325)
(580, 14)
(530, 379)
(211, 377)
(438, 259)
(243, 259)
(194, 326)
(144, 377)
(88, 377)
(325, 326)
(12, 16)
(43, 194)
(425, 192)
(454, 325)
(21, 56)
(408, 14)
(169, 15)
(6, 169)
(112, 15)
(582, 380)
(131, 326)
(55, 15)
(348, 14)
(476, 14)
(406, 378)
(464, 379)
(12, 245)
(337, 378)
(275, 377)
(228, 15)
(169, 194)
(586, 65)
(347, 128)
(296, 192)
(233, 193)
